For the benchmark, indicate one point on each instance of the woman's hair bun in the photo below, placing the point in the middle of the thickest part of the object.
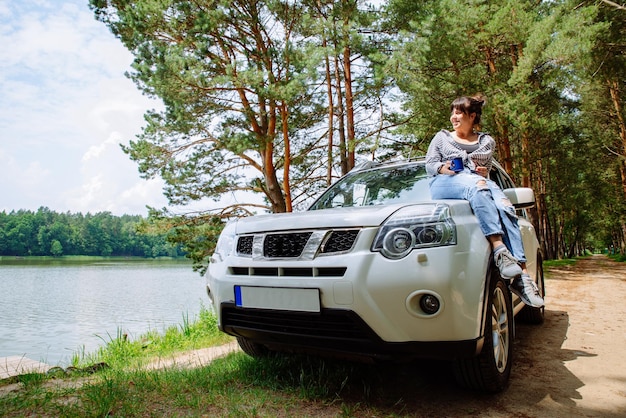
(480, 99)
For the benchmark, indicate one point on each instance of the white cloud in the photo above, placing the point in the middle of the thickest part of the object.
(110, 182)
(65, 108)
(23, 178)
(96, 150)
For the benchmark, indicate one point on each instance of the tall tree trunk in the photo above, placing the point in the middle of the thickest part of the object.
(347, 70)
(331, 117)
(284, 113)
(343, 157)
(619, 112)
(274, 191)
(265, 131)
(617, 105)
(525, 159)
(544, 227)
(503, 144)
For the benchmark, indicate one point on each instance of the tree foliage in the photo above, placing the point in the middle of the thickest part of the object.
(603, 121)
(261, 97)
(47, 233)
(529, 59)
(269, 101)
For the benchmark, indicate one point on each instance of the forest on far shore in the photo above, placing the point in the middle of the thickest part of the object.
(48, 233)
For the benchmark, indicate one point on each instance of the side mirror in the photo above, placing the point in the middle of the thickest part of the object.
(521, 197)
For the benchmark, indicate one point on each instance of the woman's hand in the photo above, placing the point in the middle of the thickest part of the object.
(445, 169)
(481, 170)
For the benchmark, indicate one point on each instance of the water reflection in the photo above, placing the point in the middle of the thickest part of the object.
(51, 309)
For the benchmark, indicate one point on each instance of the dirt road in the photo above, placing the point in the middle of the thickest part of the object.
(571, 366)
(574, 364)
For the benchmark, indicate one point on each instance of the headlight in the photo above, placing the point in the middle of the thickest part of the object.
(417, 226)
(398, 242)
(225, 243)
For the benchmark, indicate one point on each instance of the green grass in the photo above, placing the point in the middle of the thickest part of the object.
(234, 386)
(571, 261)
(119, 351)
(618, 257)
(559, 263)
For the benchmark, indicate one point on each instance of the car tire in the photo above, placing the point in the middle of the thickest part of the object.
(531, 315)
(489, 371)
(252, 349)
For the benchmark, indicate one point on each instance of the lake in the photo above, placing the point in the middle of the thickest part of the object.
(51, 309)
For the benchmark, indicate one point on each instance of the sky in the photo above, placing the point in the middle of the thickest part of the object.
(65, 108)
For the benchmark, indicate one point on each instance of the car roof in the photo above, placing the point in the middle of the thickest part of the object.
(369, 165)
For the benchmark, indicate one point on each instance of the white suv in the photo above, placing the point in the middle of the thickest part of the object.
(375, 269)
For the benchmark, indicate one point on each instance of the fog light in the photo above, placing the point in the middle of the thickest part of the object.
(425, 303)
(429, 304)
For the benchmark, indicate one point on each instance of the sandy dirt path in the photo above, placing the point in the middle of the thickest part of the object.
(573, 365)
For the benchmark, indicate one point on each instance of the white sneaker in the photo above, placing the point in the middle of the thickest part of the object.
(527, 290)
(507, 264)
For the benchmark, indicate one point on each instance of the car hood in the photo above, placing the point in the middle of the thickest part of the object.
(329, 218)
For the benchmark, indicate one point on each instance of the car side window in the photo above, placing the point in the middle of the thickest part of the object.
(503, 181)
(500, 178)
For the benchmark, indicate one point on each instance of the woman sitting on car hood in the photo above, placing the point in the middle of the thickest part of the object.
(459, 162)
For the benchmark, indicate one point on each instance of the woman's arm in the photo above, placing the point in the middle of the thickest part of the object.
(434, 158)
(483, 156)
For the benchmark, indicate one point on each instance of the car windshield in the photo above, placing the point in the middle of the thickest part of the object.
(377, 186)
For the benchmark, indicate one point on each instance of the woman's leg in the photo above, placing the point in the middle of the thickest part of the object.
(508, 265)
(475, 190)
(512, 236)
(523, 286)
(498, 222)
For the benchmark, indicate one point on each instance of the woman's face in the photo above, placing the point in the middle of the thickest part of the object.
(462, 121)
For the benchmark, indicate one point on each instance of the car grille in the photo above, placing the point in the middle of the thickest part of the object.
(337, 325)
(293, 244)
(340, 241)
(285, 245)
(244, 245)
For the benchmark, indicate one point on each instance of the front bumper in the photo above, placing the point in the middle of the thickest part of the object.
(369, 304)
(333, 332)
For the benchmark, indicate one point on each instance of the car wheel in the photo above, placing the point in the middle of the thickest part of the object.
(535, 315)
(490, 370)
(252, 349)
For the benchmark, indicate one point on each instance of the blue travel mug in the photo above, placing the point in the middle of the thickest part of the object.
(456, 164)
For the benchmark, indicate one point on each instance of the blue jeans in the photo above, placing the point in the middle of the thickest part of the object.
(496, 215)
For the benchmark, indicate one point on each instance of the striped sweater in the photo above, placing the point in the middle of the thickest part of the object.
(444, 148)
